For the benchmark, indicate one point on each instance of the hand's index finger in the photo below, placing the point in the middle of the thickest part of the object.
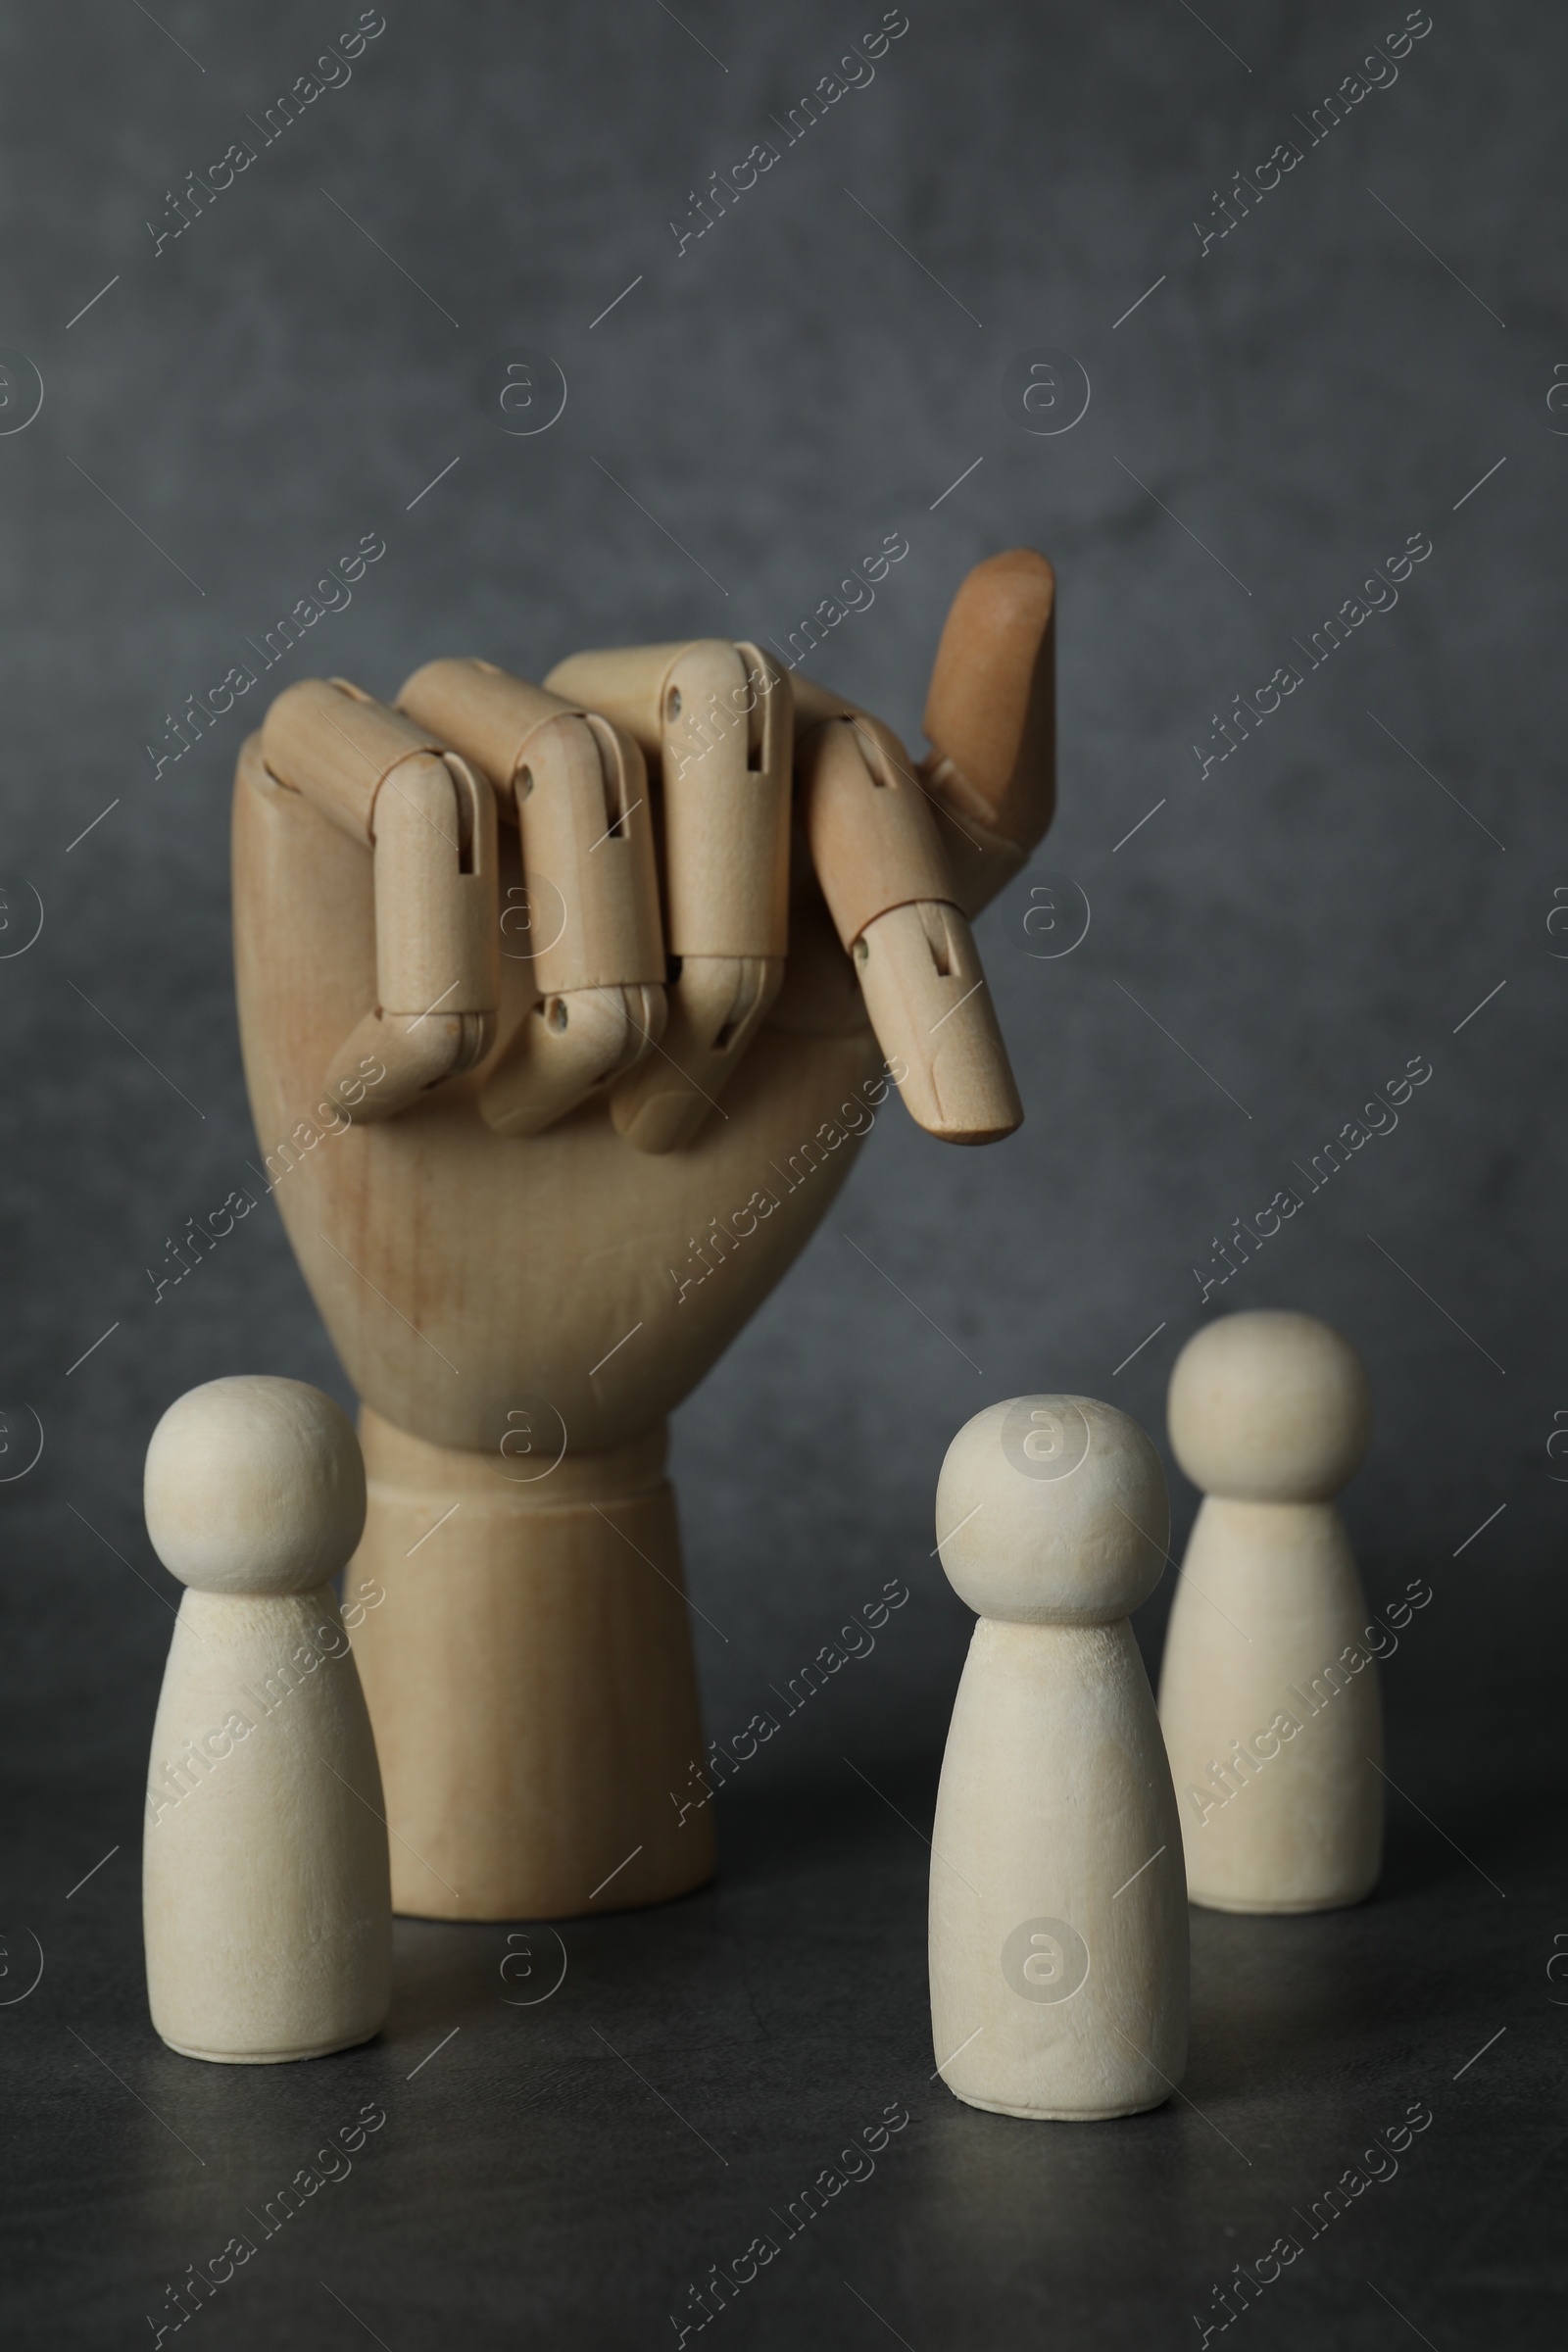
(873, 838)
(886, 880)
(814, 703)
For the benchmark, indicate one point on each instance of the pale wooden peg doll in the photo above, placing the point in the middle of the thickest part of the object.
(1269, 1696)
(267, 1898)
(1058, 1910)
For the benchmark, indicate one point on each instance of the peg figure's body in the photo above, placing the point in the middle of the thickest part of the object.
(266, 1894)
(1058, 1915)
(1268, 1697)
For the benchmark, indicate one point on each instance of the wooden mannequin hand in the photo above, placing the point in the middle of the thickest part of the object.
(523, 1294)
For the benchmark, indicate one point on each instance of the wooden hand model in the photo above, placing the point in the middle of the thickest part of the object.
(562, 1013)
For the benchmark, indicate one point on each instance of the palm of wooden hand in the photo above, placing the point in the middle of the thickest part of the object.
(482, 1289)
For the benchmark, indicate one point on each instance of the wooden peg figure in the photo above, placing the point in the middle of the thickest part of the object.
(1058, 1910)
(1269, 1701)
(266, 1897)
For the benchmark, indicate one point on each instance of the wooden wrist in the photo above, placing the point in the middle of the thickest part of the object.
(525, 1653)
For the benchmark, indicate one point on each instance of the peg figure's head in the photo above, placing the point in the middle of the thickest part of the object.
(1269, 1407)
(254, 1485)
(1053, 1510)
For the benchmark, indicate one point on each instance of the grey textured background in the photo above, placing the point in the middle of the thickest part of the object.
(791, 388)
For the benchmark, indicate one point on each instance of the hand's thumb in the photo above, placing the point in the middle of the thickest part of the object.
(991, 712)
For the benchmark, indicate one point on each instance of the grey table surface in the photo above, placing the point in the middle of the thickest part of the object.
(1284, 386)
(582, 2124)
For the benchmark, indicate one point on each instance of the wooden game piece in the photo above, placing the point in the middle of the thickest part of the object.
(879, 858)
(1058, 1915)
(1268, 1699)
(266, 1904)
(719, 720)
(577, 791)
(430, 823)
